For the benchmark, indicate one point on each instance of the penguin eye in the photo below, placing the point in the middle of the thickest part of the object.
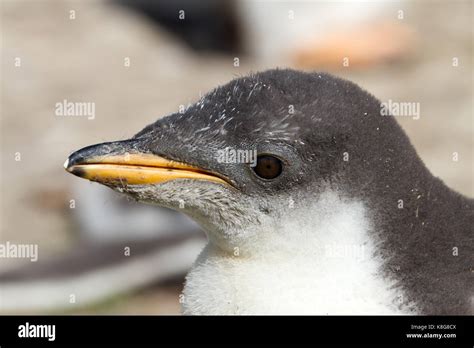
(268, 167)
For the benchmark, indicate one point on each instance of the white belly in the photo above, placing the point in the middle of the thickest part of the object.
(226, 286)
(316, 263)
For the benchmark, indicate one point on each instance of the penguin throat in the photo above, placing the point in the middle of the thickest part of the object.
(321, 259)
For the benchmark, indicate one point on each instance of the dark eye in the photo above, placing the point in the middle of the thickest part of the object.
(268, 167)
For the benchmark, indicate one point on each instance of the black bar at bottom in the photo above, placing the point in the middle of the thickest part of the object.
(141, 330)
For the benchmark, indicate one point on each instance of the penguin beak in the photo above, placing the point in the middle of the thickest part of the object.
(121, 163)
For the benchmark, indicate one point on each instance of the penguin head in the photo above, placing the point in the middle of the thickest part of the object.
(248, 153)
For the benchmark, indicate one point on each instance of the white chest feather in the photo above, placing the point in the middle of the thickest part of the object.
(315, 263)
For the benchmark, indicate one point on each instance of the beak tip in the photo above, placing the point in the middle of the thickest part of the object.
(66, 164)
(71, 167)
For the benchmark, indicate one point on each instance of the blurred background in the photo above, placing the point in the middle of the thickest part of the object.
(140, 60)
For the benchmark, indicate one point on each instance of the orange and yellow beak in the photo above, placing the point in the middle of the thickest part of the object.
(133, 168)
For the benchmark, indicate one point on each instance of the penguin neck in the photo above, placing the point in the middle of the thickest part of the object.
(409, 194)
(419, 223)
(310, 260)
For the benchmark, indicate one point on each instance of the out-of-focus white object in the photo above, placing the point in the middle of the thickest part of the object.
(276, 30)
